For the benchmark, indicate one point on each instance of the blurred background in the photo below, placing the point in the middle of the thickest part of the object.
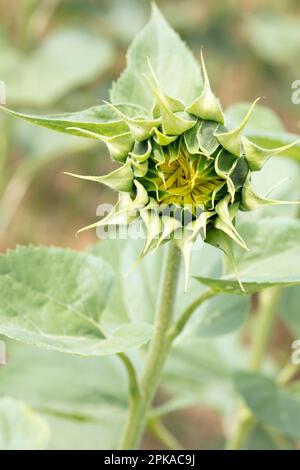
(62, 55)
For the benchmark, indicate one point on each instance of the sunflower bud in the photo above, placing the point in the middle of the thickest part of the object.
(184, 175)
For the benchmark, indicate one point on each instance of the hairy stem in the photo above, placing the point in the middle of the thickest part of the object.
(157, 353)
(188, 312)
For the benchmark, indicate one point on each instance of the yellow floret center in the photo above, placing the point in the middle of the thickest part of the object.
(182, 182)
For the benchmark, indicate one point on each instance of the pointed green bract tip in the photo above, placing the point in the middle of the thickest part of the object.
(257, 156)
(251, 201)
(207, 106)
(174, 121)
(231, 140)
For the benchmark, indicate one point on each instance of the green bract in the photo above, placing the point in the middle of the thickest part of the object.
(183, 173)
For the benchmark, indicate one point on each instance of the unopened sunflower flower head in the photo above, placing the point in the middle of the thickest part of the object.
(183, 173)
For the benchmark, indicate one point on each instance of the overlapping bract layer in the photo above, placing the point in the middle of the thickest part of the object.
(183, 173)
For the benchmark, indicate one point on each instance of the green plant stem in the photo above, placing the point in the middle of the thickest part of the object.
(244, 424)
(25, 10)
(188, 312)
(38, 21)
(3, 158)
(267, 310)
(287, 373)
(132, 379)
(159, 430)
(157, 353)
(265, 317)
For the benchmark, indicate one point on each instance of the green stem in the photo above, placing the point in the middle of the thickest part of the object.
(157, 353)
(132, 380)
(188, 312)
(244, 425)
(287, 373)
(3, 157)
(38, 21)
(159, 430)
(268, 301)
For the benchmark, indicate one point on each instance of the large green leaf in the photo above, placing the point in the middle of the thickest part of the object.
(270, 404)
(39, 377)
(75, 434)
(102, 120)
(199, 370)
(65, 60)
(112, 251)
(20, 427)
(171, 60)
(86, 414)
(262, 439)
(222, 315)
(54, 298)
(273, 258)
(135, 289)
